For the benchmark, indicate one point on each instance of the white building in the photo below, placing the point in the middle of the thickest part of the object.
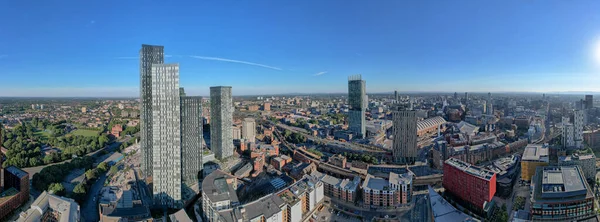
(578, 122)
(249, 129)
(568, 139)
(48, 207)
(292, 204)
(236, 133)
(166, 136)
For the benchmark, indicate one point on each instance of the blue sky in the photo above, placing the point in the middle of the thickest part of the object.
(90, 48)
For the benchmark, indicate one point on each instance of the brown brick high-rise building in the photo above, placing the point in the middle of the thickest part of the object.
(14, 191)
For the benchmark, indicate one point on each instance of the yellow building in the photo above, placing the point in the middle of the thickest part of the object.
(533, 156)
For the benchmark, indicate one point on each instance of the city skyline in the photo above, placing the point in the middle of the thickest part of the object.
(390, 45)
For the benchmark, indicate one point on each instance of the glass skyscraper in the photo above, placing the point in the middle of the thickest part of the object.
(149, 54)
(191, 138)
(221, 121)
(358, 105)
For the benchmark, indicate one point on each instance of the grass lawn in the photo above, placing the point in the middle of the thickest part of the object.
(83, 132)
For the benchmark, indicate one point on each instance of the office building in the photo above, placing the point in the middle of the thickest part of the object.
(14, 189)
(396, 96)
(474, 185)
(560, 193)
(249, 129)
(587, 163)
(191, 138)
(589, 101)
(149, 55)
(405, 136)
(221, 117)
(533, 156)
(357, 96)
(394, 191)
(166, 135)
(578, 122)
(49, 207)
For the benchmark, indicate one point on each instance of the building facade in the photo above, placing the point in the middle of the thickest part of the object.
(249, 129)
(149, 54)
(191, 138)
(560, 193)
(405, 136)
(221, 116)
(166, 135)
(578, 122)
(568, 139)
(342, 189)
(470, 183)
(533, 157)
(589, 101)
(356, 101)
(587, 163)
(14, 189)
(394, 191)
(49, 207)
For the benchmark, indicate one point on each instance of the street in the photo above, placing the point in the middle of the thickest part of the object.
(89, 210)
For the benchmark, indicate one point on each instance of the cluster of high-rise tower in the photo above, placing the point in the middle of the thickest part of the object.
(171, 127)
(404, 149)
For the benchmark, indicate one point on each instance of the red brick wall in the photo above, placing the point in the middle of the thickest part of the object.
(468, 187)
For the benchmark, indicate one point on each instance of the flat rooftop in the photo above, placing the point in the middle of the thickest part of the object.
(16, 171)
(560, 183)
(534, 152)
(7, 194)
(473, 170)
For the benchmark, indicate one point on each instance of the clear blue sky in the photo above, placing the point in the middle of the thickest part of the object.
(90, 48)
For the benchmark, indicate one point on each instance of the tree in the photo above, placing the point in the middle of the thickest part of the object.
(79, 192)
(57, 188)
(91, 174)
(103, 167)
(113, 169)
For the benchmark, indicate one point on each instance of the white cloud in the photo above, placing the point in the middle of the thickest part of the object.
(320, 73)
(235, 61)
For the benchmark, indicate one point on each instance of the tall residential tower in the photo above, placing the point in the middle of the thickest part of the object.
(191, 138)
(166, 136)
(405, 136)
(356, 100)
(221, 121)
(149, 54)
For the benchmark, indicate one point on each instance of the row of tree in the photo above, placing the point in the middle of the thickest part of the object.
(57, 173)
(80, 190)
(361, 157)
(294, 137)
